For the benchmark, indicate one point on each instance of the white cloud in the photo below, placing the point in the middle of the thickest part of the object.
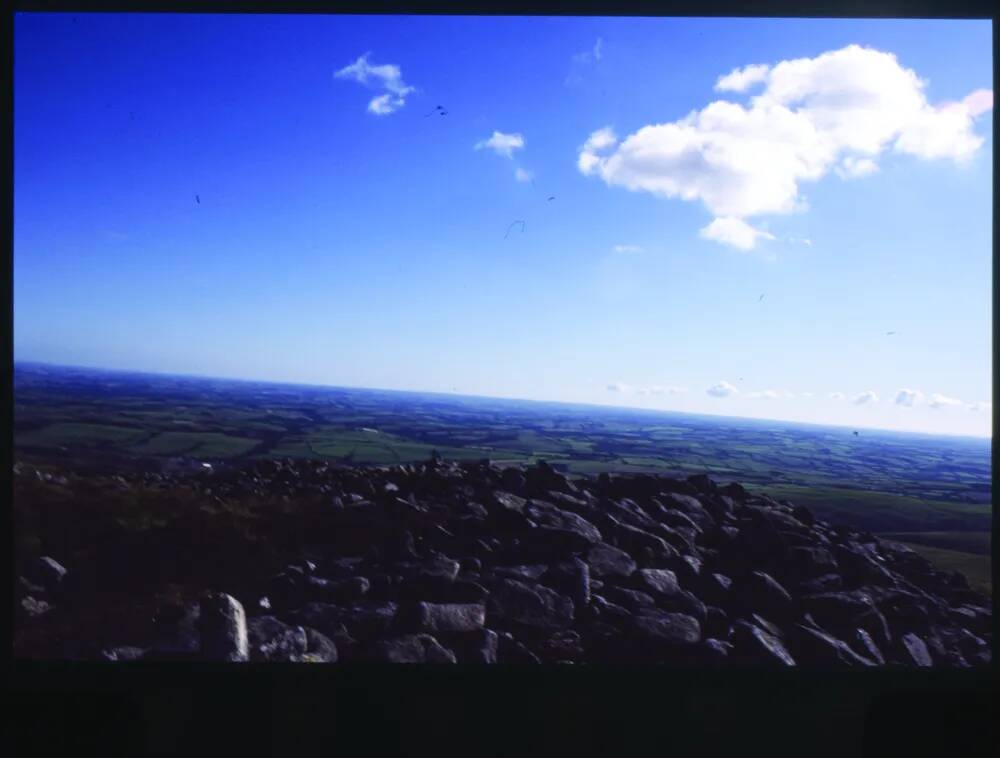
(655, 389)
(741, 79)
(627, 249)
(659, 390)
(502, 144)
(807, 395)
(837, 111)
(908, 397)
(852, 167)
(599, 140)
(385, 104)
(385, 76)
(801, 241)
(722, 389)
(866, 397)
(981, 406)
(766, 394)
(597, 49)
(836, 395)
(522, 175)
(943, 401)
(978, 102)
(734, 232)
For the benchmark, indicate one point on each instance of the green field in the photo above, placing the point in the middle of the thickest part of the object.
(965, 542)
(72, 434)
(197, 444)
(977, 568)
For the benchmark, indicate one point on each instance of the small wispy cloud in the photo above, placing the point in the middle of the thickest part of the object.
(627, 249)
(658, 390)
(981, 406)
(523, 175)
(806, 395)
(722, 389)
(943, 401)
(655, 389)
(766, 394)
(386, 76)
(800, 241)
(580, 60)
(908, 398)
(865, 398)
(502, 144)
(734, 232)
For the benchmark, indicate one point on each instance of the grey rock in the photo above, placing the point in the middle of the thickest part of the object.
(762, 592)
(319, 648)
(813, 646)
(605, 560)
(866, 645)
(571, 578)
(433, 617)
(123, 654)
(670, 628)
(47, 572)
(631, 599)
(754, 645)
(657, 581)
(33, 608)
(914, 651)
(272, 640)
(223, 628)
(537, 606)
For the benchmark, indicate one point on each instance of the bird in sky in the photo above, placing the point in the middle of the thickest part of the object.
(552, 197)
(197, 199)
(512, 225)
(890, 333)
(439, 109)
(855, 434)
(760, 298)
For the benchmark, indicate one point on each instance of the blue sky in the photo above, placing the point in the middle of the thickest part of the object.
(343, 236)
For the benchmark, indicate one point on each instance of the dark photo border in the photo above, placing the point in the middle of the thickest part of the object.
(280, 709)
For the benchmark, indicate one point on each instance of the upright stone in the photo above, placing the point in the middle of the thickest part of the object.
(223, 628)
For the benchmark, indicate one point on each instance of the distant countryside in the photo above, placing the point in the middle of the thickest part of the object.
(931, 493)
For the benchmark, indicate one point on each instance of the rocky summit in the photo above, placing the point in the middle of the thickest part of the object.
(473, 563)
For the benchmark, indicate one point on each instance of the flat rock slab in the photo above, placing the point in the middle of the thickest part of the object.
(669, 628)
(605, 560)
(536, 606)
(657, 581)
(754, 645)
(452, 617)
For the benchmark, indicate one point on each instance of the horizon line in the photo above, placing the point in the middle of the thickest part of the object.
(275, 382)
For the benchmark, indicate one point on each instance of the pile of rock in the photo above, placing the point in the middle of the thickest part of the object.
(473, 563)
